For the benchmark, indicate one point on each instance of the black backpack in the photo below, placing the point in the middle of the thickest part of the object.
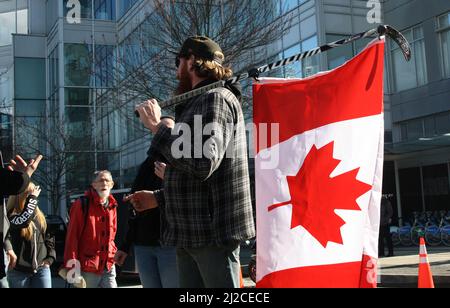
(84, 200)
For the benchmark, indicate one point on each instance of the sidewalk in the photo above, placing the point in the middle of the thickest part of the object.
(398, 271)
(402, 269)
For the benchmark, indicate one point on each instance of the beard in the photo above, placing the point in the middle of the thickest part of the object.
(103, 194)
(184, 84)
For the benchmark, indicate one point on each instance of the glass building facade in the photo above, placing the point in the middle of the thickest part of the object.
(13, 20)
(81, 84)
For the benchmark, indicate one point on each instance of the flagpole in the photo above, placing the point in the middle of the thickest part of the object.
(382, 30)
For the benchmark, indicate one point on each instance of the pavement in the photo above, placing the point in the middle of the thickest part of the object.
(400, 270)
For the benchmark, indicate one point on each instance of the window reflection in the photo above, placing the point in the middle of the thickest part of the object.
(77, 63)
(103, 9)
(8, 25)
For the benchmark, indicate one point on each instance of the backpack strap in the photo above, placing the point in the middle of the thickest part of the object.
(84, 200)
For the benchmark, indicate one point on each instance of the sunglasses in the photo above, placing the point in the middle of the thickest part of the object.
(178, 59)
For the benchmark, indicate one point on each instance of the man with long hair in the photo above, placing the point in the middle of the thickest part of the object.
(206, 196)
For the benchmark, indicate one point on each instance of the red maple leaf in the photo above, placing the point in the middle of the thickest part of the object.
(315, 196)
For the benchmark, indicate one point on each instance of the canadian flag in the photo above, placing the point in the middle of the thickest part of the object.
(318, 165)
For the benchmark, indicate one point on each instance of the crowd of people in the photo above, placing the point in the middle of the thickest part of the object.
(189, 213)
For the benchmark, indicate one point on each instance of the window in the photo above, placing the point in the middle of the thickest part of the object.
(30, 108)
(77, 64)
(277, 72)
(412, 130)
(310, 66)
(444, 37)
(8, 25)
(125, 5)
(432, 126)
(436, 187)
(29, 78)
(7, 20)
(6, 88)
(288, 5)
(338, 56)
(80, 167)
(105, 9)
(79, 127)
(104, 66)
(77, 97)
(22, 21)
(410, 191)
(294, 69)
(408, 75)
(53, 71)
(85, 5)
(306, 67)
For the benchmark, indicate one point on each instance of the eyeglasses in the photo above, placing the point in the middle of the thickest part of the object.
(103, 180)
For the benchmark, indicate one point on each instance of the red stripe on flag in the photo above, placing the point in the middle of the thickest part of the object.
(351, 91)
(369, 272)
(342, 275)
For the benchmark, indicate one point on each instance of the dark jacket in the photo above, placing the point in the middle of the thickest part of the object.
(90, 238)
(31, 253)
(144, 228)
(386, 212)
(11, 183)
(206, 198)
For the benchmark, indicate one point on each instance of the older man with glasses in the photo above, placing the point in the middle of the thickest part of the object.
(90, 248)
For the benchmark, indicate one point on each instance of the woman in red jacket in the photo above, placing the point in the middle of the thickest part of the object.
(90, 246)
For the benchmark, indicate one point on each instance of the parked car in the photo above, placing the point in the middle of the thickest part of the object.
(57, 226)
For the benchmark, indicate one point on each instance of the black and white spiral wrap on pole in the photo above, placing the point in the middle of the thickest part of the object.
(382, 30)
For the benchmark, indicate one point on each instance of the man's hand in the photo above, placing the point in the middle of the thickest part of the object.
(160, 169)
(12, 259)
(120, 257)
(150, 114)
(142, 200)
(18, 164)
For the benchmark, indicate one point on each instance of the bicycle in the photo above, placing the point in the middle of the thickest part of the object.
(418, 228)
(395, 236)
(445, 230)
(404, 234)
(433, 230)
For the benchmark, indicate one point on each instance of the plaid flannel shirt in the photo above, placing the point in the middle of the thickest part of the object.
(206, 198)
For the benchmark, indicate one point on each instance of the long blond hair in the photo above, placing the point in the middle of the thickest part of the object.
(16, 204)
(212, 69)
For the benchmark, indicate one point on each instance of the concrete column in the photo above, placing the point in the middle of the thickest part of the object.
(421, 187)
(397, 189)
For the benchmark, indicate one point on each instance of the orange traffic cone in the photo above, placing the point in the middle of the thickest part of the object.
(425, 275)
(241, 280)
